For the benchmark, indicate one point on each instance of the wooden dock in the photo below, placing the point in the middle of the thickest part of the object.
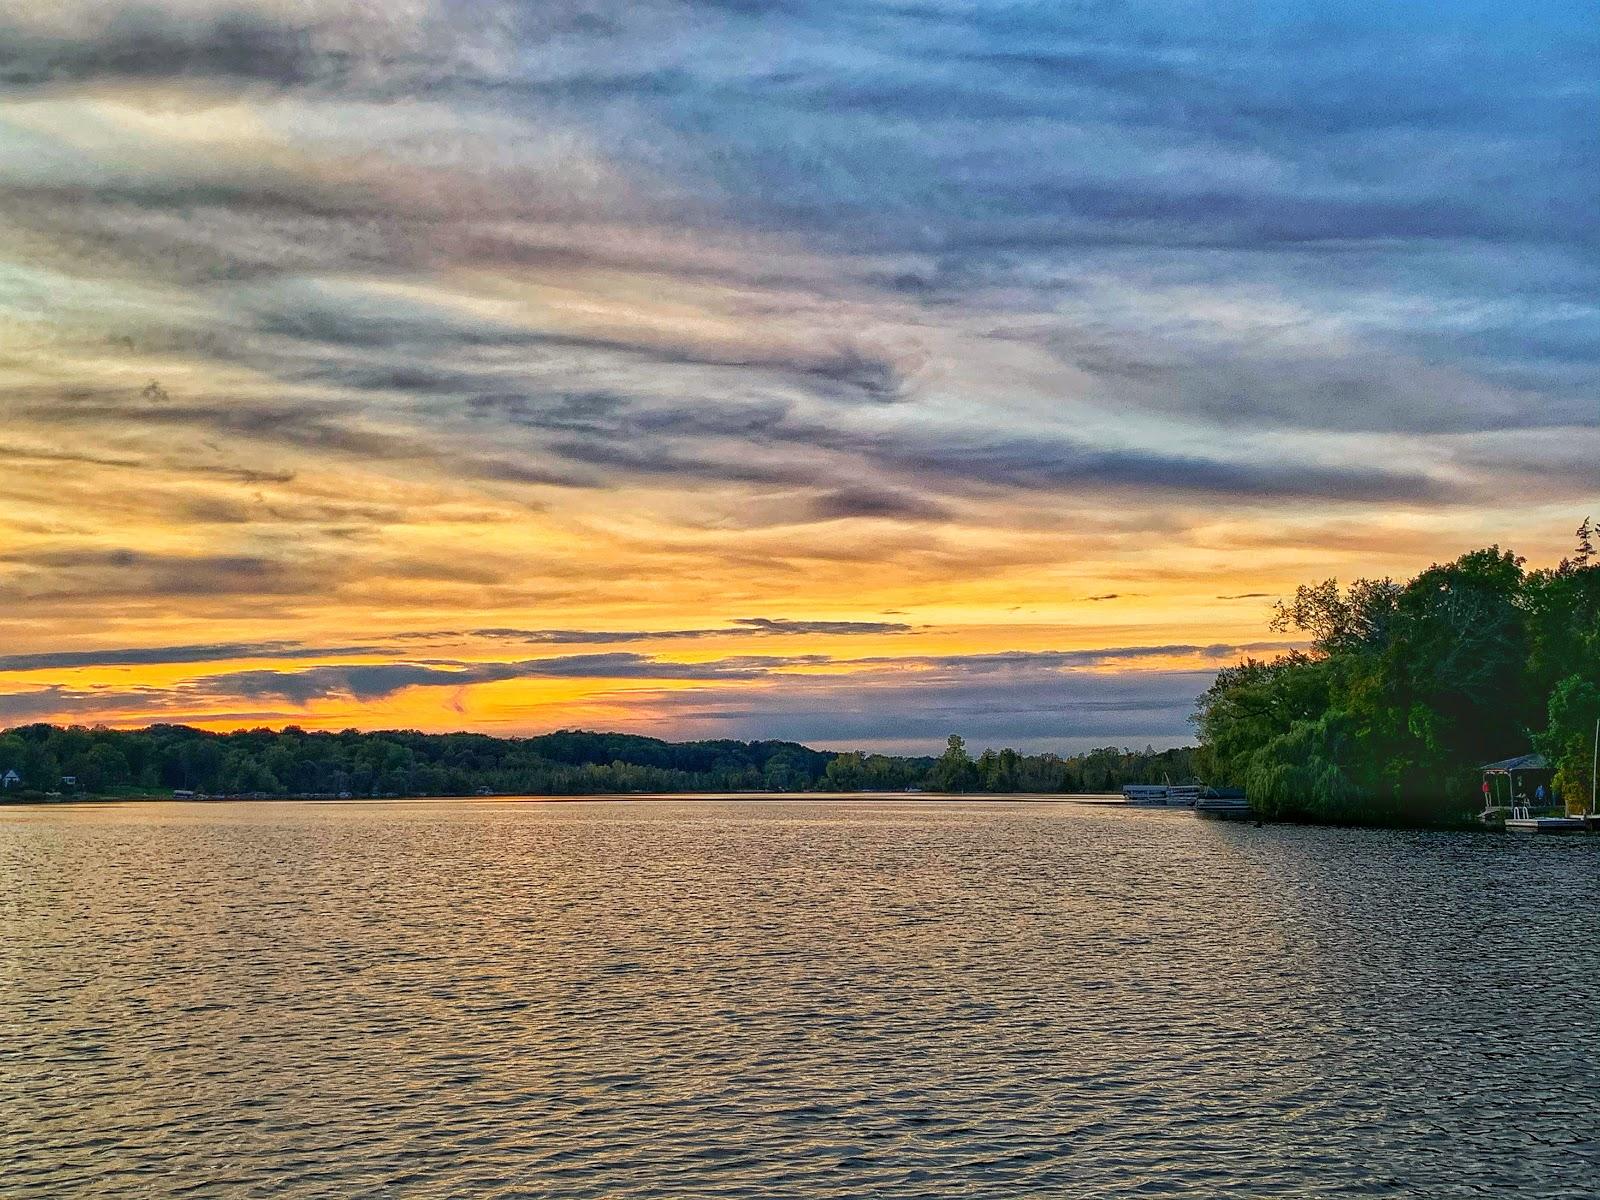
(1549, 825)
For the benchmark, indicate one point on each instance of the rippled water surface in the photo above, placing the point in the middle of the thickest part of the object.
(806, 999)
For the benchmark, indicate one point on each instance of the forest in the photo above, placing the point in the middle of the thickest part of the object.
(1406, 689)
(261, 763)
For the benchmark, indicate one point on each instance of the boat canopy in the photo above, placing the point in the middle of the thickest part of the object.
(1523, 762)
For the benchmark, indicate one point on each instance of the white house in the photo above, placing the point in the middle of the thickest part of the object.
(10, 779)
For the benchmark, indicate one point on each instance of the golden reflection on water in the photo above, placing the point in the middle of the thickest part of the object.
(806, 998)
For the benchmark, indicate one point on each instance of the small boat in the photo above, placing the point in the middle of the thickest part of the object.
(1160, 795)
(1145, 793)
(1223, 804)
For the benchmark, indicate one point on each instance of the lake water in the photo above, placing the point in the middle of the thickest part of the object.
(788, 999)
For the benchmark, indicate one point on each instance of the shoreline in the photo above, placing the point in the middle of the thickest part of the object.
(1088, 799)
(1102, 800)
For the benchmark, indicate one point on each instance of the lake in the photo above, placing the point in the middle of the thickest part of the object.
(798, 998)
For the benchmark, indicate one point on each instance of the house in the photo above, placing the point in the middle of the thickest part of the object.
(10, 779)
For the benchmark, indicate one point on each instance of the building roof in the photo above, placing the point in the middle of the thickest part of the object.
(1523, 762)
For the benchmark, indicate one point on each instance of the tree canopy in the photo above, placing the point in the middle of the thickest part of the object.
(262, 762)
(1407, 688)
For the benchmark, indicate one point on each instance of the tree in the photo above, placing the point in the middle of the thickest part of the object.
(1586, 534)
(955, 772)
(846, 773)
(1568, 740)
(1337, 621)
(1408, 688)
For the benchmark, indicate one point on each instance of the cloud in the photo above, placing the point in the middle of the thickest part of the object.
(676, 442)
(55, 702)
(77, 572)
(149, 44)
(372, 682)
(783, 625)
(741, 627)
(1051, 662)
(164, 655)
(345, 44)
(847, 503)
(337, 428)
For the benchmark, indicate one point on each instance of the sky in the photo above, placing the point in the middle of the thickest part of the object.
(848, 372)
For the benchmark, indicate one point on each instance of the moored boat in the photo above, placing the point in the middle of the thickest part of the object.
(1161, 795)
(1149, 794)
(1223, 804)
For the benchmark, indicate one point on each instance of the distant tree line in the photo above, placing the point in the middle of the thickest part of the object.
(163, 759)
(1407, 689)
(1006, 771)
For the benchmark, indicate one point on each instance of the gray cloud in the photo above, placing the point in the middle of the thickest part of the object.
(372, 682)
(310, 425)
(741, 627)
(1055, 661)
(289, 649)
(80, 572)
(783, 625)
(850, 502)
(148, 44)
(156, 655)
(673, 441)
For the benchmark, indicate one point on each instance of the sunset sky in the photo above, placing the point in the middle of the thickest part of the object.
(840, 371)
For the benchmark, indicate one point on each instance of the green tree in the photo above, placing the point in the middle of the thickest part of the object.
(1568, 739)
(955, 772)
(1407, 688)
(846, 773)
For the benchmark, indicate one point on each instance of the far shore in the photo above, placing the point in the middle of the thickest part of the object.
(40, 800)
(1463, 823)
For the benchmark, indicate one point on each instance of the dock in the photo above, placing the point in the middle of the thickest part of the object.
(1548, 825)
(1528, 781)
(1523, 820)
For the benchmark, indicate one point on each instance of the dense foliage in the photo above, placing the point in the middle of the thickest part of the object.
(1408, 688)
(1006, 771)
(393, 763)
(167, 758)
